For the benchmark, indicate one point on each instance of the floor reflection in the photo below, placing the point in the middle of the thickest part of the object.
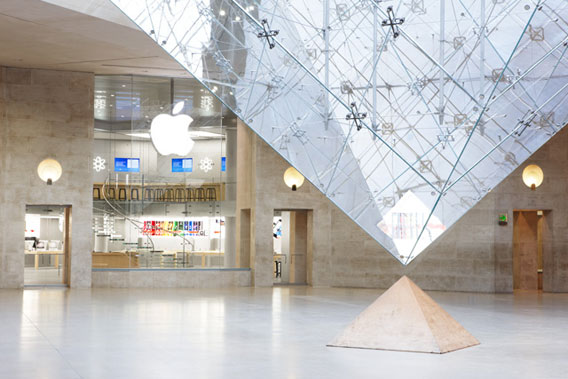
(260, 333)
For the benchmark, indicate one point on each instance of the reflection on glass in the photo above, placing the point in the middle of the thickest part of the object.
(159, 201)
(454, 103)
(405, 222)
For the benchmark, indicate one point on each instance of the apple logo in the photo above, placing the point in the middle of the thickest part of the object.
(170, 134)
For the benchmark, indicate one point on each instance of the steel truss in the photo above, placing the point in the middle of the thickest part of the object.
(464, 94)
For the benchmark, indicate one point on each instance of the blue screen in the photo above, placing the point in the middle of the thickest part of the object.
(182, 164)
(223, 163)
(127, 164)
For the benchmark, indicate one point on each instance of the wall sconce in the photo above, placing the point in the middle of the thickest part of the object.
(533, 176)
(49, 170)
(293, 178)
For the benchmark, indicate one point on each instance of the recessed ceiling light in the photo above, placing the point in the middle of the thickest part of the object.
(222, 12)
(201, 134)
(139, 135)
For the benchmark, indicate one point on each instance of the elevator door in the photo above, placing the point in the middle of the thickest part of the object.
(527, 250)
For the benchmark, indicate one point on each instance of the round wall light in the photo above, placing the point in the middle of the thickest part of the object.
(533, 176)
(49, 170)
(293, 178)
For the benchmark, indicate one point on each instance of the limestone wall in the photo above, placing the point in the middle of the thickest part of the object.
(167, 278)
(475, 254)
(44, 114)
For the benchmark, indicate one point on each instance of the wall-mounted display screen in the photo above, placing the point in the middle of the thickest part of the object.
(223, 164)
(127, 164)
(182, 164)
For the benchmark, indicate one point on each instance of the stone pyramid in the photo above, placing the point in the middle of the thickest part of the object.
(405, 318)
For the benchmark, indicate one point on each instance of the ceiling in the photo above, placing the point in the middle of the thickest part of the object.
(88, 35)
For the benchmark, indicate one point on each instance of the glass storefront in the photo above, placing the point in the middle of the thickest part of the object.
(164, 175)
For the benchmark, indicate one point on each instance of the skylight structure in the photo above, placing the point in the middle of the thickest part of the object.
(403, 113)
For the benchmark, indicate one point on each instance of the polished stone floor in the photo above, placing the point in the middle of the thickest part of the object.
(262, 333)
(44, 275)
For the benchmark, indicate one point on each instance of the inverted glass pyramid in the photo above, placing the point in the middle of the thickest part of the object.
(403, 113)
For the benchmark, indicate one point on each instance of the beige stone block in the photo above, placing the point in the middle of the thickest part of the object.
(65, 79)
(185, 279)
(242, 279)
(140, 279)
(504, 285)
(473, 250)
(100, 279)
(163, 278)
(118, 279)
(18, 76)
(475, 284)
(483, 268)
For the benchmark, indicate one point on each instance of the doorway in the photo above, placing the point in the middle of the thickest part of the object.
(529, 232)
(290, 246)
(47, 245)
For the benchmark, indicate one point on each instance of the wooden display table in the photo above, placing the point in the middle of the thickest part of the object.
(204, 255)
(37, 253)
(115, 259)
(130, 259)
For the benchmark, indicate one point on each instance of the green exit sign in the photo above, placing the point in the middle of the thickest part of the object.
(503, 219)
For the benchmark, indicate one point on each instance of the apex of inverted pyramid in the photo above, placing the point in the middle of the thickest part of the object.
(405, 318)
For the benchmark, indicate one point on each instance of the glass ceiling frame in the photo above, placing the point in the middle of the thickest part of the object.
(404, 114)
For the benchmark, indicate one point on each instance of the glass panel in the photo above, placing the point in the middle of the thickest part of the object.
(436, 88)
(164, 192)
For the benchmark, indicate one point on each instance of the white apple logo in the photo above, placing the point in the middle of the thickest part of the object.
(170, 134)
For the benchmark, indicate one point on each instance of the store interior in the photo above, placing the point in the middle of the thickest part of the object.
(158, 205)
(45, 256)
(290, 246)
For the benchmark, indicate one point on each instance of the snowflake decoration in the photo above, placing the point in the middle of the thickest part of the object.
(207, 103)
(99, 164)
(206, 164)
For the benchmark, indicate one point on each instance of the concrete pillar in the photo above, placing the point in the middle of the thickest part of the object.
(262, 259)
(230, 241)
(231, 195)
(287, 231)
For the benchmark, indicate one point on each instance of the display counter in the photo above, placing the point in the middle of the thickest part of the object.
(179, 259)
(207, 256)
(115, 260)
(157, 259)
